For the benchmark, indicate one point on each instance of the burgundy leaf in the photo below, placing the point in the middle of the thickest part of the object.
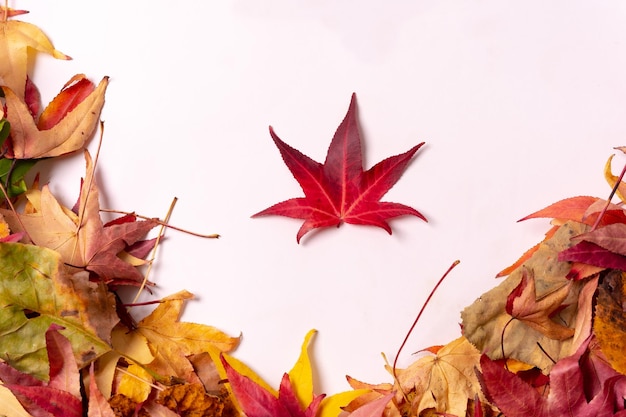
(611, 237)
(592, 254)
(338, 191)
(54, 401)
(564, 396)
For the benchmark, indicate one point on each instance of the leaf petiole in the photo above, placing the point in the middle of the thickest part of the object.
(432, 292)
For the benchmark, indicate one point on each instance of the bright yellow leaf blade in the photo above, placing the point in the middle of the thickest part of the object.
(332, 406)
(135, 383)
(301, 375)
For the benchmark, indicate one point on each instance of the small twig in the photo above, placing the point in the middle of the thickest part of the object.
(432, 292)
(154, 249)
(545, 353)
(124, 371)
(163, 223)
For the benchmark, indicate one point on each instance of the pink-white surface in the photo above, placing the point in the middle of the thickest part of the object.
(519, 103)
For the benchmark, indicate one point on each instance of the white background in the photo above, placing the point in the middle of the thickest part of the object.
(520, 104)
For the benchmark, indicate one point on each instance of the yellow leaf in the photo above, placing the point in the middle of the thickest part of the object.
(135, 384)
(333, 405)
(130, 345)
(301, 375)
(443, 381)
(16, 38)
(4, 227)
(171, 341)
(612, 180)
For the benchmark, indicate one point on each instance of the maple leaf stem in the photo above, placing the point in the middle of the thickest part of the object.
(502, 340)
(406, 338)
(154, 249)
(608, 201)
(81, 213)
(163, 223)
(545, 353)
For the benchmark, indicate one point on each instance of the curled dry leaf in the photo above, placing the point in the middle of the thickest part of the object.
(65, 125)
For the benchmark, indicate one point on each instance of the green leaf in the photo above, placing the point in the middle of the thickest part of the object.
(5, 128)
(35, 291)
(12, 172)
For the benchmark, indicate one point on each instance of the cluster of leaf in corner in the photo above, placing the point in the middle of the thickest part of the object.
(68, 345)
(64, 332)
(547, 341)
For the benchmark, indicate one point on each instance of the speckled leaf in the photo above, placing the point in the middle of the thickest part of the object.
(35, 292)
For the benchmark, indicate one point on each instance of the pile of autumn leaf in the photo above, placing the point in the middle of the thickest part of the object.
(547, 341)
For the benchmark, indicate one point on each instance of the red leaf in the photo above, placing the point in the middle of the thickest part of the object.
(565, 396)
(339, 191)
(253, 399)
(611, 237)
(592, 254)
(61, 396)
(56, 402)
(256, 401)
(73, 93)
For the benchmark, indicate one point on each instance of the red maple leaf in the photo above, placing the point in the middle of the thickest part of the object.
(256, 401)
(339, 190)
(568, 392)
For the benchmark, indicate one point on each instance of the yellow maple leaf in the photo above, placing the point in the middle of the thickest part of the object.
(444, 380)
(172, 341)
(16, 39)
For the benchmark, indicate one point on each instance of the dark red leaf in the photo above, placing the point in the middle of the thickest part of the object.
(338, 191)
(592, 254)
(564, 396)
(253, 399)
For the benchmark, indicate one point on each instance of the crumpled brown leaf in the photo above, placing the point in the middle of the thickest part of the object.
(485, 320)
